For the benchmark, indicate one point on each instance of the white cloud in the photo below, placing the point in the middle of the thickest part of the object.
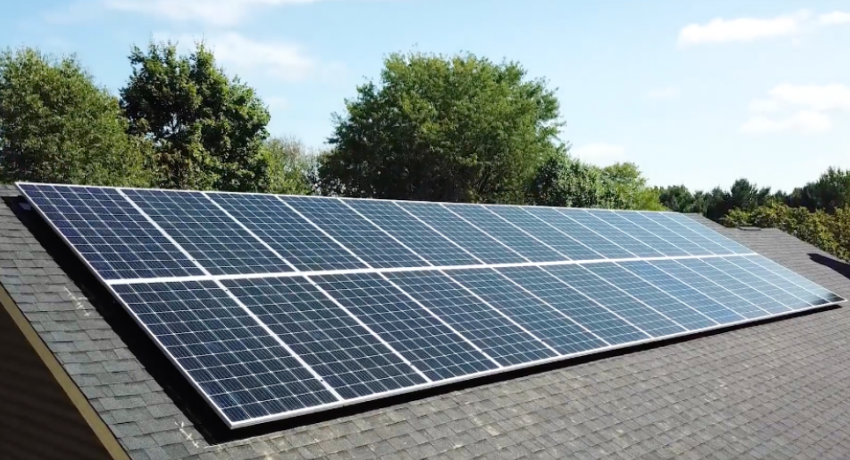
(836, 17)
(600, 153)
(720, 30)
(244, 55)
(764, 105)
(814, 97)
(805, 122)
(663, 93)
(212, 12)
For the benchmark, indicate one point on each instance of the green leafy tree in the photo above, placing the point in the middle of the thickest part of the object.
(677, 198)
(830, 192)
(207, 129)
(562, 180)
(458, 129)
(290, 165)
(624, 187)
(57, 125)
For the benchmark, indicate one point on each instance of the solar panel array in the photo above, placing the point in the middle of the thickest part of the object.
(275, 306)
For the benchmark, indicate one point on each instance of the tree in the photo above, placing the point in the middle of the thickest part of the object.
(677, 198)
(207, 130)
(443, 129)
(624, 187)
(562, 180)
(57, 125)
(290, 166)
(830, 192)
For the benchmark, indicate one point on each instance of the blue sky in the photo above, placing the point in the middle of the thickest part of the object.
(694, 92)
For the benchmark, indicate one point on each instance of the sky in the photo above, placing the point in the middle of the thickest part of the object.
(698, 93)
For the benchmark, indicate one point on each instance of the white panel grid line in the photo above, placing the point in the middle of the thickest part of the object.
(253, 235)
(770, 282)
(528, 234)
(618, 230)
(367, 328)
(440, 319)
(247, 310)
(749, 273)
(556, 310)
(385, 232)
(635, 298)
(502, 314)
(671, 275)
(238, 276)
(664, 291)
(691, 240)
(761, 292)
(581, 293)
(789, 280)
(724, 287)
(423, 222)
(522, 208)
(381, 274)
(653, 234)
(599, 235)
(498, 241)
(722, 238)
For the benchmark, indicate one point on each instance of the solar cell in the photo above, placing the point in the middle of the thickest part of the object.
(682, 229)
(687, 294)
(556, 239)
(666, 233)
(610, 233)
(511, 236)
(110, 235)
(417, 236)
(546, 322)
(432, 346)
(795, 278)
(808, 298)
(616, 220)
(784, 301)
(482, 246)
(240, 368)
(213, 239)
(704, 232)
(729, 282)
(501, 339)
(651, 296)
(639, 315)
(286, 232)
(575, 230)
(366, 240)
(353, 361)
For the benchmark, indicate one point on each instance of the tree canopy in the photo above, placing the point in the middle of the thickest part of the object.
(207, 129)
(444, 129)
(57, 126)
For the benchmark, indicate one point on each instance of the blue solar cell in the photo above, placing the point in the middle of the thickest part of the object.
(548, 234)
(711, 288)
(286, 232)
(636, 313)
(541, 319)
(594, 316)
(795, 278)
(412, 233)
(807, 298)
(424, 340)
(477, 321)
(728, 245)
(114, 238)
(242, 369)
(611, 233)
(662, 219)
(585, 235)
(215, 240)
(667, 234)
(733, 284)
(345, 354)
(364, 239)
(618, 221)
(782, 300)
(695, 299)
(508, 234)
(461, 232)
(660, 301)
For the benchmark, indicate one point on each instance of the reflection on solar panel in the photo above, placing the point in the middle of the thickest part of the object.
(277, 306)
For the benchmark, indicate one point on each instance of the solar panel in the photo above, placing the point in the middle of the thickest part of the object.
(277, 306)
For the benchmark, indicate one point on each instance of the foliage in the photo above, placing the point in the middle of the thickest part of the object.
(57, 126)
(443, 129)
(829, 232)
(624, 187)
(830, 192)
(207, 130)
(290, 166)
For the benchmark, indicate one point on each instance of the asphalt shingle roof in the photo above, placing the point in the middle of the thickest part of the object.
(773, 390)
